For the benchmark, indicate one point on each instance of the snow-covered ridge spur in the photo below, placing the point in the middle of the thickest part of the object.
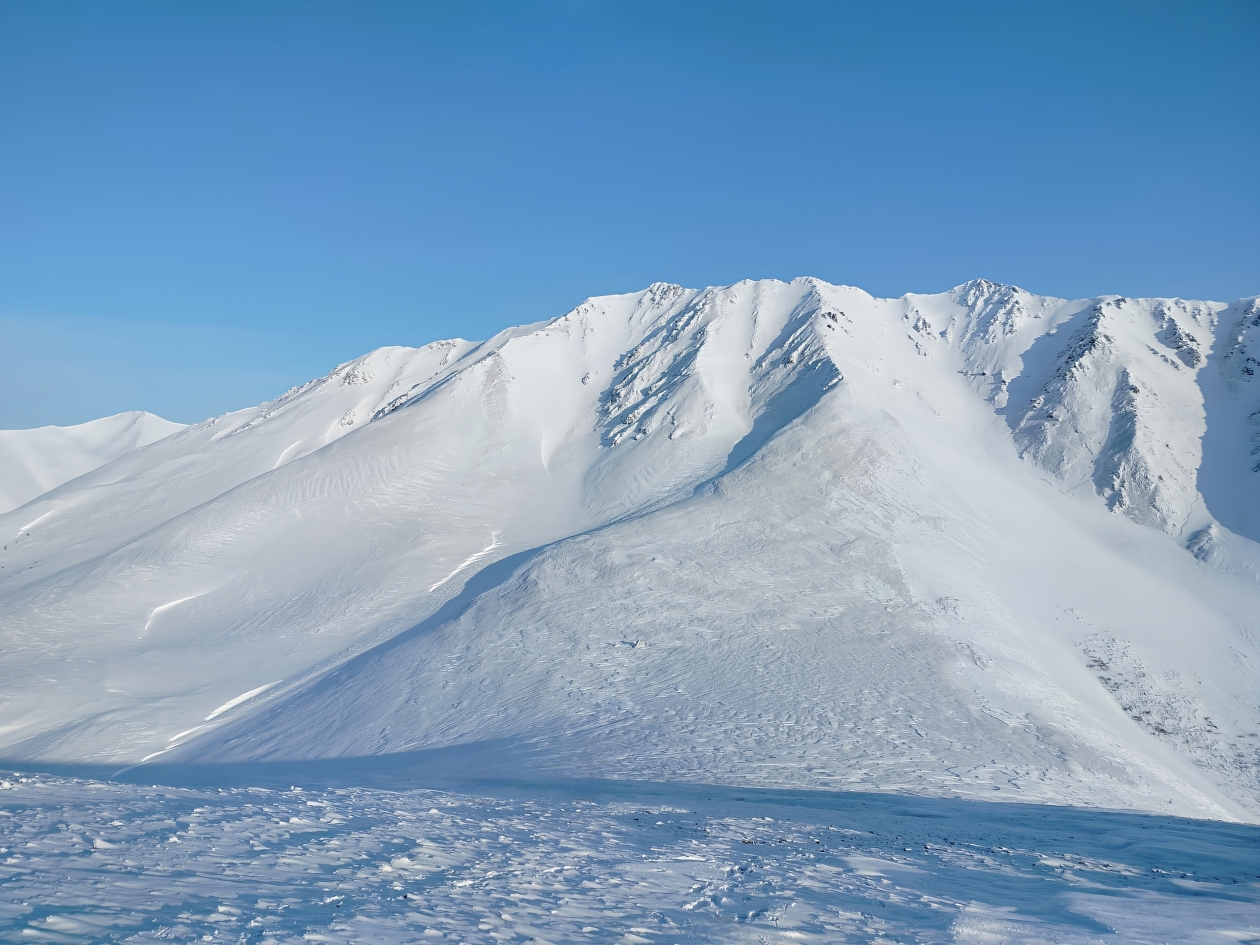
(766, 533)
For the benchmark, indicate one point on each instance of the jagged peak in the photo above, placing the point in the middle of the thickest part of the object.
(980, 291)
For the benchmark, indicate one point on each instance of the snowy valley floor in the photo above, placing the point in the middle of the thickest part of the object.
(255, 859)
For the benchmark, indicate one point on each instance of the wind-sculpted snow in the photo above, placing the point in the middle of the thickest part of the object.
(86, 861)
(769, 534)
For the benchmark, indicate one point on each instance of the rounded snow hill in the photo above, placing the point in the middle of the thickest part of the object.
(34, 461)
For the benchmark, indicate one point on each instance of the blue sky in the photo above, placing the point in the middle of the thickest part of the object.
(203, 204)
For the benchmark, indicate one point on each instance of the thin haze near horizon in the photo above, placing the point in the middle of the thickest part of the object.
(203, 205)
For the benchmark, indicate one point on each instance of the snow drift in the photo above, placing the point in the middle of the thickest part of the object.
(980, 543)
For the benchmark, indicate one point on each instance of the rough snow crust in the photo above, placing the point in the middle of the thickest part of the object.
(975, 544)
(85, 861)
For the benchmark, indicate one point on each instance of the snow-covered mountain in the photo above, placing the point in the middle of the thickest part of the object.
(979, 543)
(34, 461)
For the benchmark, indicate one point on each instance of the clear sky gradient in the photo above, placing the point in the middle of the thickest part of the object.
(203, 204)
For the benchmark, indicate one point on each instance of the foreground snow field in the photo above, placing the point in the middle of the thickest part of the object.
(88, 861)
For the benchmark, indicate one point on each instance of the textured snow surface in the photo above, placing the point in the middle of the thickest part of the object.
(977, 544)
(88, 861)
(34, 461)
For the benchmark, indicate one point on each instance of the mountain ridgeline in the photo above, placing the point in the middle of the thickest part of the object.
(978, 543)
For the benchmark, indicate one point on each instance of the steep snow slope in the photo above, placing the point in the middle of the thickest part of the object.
(769, 533)
(1230, 475)
(1103, 394)
(34, 461)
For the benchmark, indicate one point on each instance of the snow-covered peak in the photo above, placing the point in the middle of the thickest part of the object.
(990, 326)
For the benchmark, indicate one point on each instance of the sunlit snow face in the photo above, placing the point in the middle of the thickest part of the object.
(772, 533)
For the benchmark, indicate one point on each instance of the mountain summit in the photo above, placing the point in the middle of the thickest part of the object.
(979, 543)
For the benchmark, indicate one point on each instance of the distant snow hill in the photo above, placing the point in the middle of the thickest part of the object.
(33, 462)
(982, 543)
